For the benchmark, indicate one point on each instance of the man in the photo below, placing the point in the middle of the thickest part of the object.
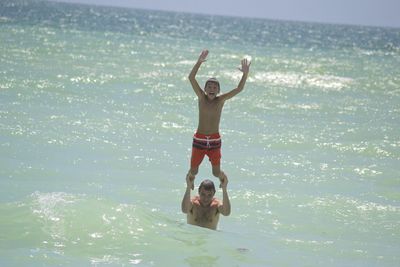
(207, 140)
(203, 210)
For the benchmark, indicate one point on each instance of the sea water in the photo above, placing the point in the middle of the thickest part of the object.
(96, 123)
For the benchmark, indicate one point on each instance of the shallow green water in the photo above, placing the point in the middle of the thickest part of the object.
(96, 121)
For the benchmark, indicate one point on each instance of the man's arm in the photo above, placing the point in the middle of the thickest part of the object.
(225, 208)
(245, 69)
(186, 202)
(192, 76)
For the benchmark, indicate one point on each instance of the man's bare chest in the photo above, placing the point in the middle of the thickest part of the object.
(204, 214)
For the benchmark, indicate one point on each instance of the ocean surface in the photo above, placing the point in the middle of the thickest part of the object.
(96, 123)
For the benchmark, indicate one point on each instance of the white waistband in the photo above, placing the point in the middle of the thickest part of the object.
(207, 140)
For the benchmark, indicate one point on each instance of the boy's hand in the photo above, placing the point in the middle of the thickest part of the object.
(203, 56)
(245, 66)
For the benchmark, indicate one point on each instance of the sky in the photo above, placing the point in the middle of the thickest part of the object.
(356, 12)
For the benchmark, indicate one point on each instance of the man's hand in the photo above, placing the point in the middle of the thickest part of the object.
(190, 180)
(224, 181)
(245, 66)
(203, 56)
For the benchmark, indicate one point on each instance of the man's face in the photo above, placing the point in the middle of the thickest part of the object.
(206, 196)
(212, 90)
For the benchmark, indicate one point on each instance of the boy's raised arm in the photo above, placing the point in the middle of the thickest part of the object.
(192, 76)
(245, 69)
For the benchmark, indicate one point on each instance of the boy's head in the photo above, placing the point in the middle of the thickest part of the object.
(212, 88)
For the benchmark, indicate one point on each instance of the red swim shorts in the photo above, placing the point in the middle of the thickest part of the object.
(209, 145)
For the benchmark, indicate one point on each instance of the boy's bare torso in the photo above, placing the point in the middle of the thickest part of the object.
(209, 115)
(204, 216)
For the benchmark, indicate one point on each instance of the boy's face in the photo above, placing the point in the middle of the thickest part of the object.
(212, 90)
(206, 196)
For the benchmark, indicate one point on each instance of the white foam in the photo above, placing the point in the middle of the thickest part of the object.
(186, 62)
(45, 204)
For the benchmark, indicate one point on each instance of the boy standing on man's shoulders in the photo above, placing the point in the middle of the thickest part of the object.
(207, 140)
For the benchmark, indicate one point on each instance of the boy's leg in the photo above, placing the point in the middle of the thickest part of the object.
(192, 174)
(215, 158)
(191, 177)
(193, 171)
(217, 172)
(196, 159)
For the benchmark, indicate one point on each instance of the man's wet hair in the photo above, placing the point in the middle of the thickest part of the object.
(208, 185)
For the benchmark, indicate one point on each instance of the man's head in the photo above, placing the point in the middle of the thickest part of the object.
(206, 192)
(212, 88)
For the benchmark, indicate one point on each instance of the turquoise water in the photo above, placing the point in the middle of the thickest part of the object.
(96, 121)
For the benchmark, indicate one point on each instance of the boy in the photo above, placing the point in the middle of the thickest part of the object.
(207, 140)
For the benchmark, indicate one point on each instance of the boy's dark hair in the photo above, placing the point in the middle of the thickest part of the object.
(208, 185)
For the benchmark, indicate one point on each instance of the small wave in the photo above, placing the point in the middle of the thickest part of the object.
(312, 106)
(47, 205)
(5, 19)
(171, 125)
(348, 205)
(88, 227)
(186, 62)
(327, 82)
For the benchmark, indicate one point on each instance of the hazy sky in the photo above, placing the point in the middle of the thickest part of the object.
(362, 12)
